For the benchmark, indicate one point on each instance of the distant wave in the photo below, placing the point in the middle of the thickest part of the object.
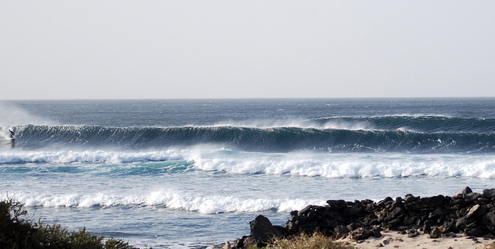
(272, 139)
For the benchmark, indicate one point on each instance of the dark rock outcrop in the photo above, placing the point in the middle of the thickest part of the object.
(467, 212)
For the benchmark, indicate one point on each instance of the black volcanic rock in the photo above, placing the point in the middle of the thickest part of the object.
(467, 212)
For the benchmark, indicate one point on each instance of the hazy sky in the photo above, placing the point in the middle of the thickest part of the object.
(98, 49)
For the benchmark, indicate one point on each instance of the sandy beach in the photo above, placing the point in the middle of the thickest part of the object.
(393, 239)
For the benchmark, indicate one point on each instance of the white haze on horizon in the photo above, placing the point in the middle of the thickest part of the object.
(246, 49)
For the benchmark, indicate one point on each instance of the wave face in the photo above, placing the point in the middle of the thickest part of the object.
(376, 134)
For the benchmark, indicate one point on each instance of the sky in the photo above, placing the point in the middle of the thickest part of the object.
(121, 49)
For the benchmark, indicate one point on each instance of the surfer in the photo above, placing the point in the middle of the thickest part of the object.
(11, 134)
(12, 137)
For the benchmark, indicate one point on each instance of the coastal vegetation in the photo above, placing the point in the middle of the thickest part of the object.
(17, 232)
(305, 241)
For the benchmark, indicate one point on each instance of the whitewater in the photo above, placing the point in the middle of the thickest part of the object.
(193, 173)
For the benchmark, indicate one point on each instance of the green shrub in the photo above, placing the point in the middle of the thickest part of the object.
(17, 233)
(315, 241)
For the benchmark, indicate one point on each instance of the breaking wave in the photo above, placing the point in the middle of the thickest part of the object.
(399, 138)
(167, 199)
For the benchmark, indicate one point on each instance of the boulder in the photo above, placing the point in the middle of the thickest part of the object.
(472, 211)
(489, 193)
(337, 204)
(435, 233)
(305, 210)
(426, 203)
(471, 197)
(361, 233)
(489, 221)
(262, 229)
(411, 198)
(463, 193)
(340, 232)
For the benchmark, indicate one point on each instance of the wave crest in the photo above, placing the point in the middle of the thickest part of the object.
(275, 139)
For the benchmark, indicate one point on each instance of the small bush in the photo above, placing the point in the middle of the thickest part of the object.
(315, 241)
(17, 233)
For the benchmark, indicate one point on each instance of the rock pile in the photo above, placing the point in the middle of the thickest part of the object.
(467, 212)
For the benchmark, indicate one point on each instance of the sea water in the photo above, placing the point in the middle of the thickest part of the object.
(193, 173)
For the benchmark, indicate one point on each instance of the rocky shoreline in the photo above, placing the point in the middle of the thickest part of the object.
(468, 213)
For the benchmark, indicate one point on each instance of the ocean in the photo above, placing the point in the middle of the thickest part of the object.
(193, 173)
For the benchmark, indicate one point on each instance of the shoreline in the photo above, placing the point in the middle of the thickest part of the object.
(464, 220)
(394, 239)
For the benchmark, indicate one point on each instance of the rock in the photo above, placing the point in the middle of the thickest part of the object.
(340, 232)
(396, 212)
(489, 193)
(409, 220)
(305, 210)
(461, 223)
(250, 242)
(385, 202)
(472, 211)
(412, 233)
(462, 194)
(435, 233)
(475, 231)
(482, 210)
(426, 203)
(489, 221)
(387, 241)
(337, 204)
(411, 198)
(227, 246)
(262, 229)
(313, 214)
(468, 212)
(457, 203)
(376, 232)
(471, 197)
(461, 212)
(356, 209)
(245, 241)
(438, 212)
(361, 233)
(279, 231)
(353, 226)
(294, 213)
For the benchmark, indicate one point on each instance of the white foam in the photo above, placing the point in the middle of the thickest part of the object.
(98, 156)
(306, 164)
(349, 165)
(170, 199)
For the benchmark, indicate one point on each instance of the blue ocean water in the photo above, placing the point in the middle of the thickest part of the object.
(193, 173)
